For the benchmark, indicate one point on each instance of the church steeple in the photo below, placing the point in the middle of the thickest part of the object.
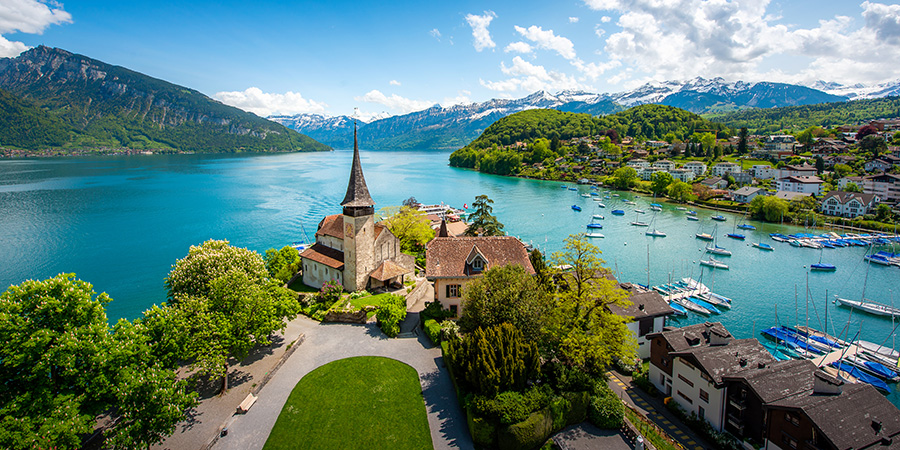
(357, 201)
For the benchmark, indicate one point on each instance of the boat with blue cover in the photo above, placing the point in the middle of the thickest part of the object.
(862, 376)
(745, 226)
(679, 310)
(780, 335)
(594, 225)
(576, 207)
(763, 246)
(712, 308)
(872, 368)
(736, 236)
(719, 218)
(618, 212)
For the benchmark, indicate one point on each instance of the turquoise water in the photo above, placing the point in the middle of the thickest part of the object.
(121, 222)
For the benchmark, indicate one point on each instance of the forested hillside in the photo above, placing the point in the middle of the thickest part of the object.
(765, 121)
(73, 102)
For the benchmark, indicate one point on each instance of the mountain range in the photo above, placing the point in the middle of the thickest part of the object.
(51, 98)
(444, 128)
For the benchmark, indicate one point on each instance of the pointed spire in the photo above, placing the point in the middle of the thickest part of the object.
(443, 231)
(357, 192)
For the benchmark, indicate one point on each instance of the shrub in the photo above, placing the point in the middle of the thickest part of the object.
(528, 433)
(606, 410)
(559, 409)
(580, 402)
(566, 378)
(449, 330)
(511, 407)
(331, 291)
(493, 360)
(433, 330)
(434, 310)
(481, 429)
(390, 314)
(642, 380)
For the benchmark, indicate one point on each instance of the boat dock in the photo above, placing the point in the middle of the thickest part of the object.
(836, 355)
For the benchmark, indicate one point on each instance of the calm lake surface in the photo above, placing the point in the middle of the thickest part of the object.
(121, 222)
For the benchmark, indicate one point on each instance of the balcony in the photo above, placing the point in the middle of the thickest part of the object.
(739, 405)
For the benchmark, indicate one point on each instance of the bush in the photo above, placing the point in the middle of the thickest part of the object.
(390, 314)
(642, 380)
(567, 378)
(331, 291)
(493, 360)
(606, 410)
(481, 429)
(449, 330)
(528, 433)
(579, 402)
(511, 407)
(434, 310)
(433, 331)
(559, 409)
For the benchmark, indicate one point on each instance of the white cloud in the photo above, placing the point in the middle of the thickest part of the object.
(480, 31)
(548, 40)
(573, 20)
(27, 16)
(394, 83)
(518, 47)
(435, 33)
(461, 98)
(736, 39)
(396, 102)
(599, 31)
(529, 77)
(265, 104)
(605, 19)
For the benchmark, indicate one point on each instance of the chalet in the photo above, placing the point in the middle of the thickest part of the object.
(451, 262)
(848, 204)
(351, 248)
(831, 160)
(648, 312)
(697, 167)
(833, 415)
(715, 183)
(724, 168)
(823, 147)
(886, 124)
(804, 184)
(746, 194)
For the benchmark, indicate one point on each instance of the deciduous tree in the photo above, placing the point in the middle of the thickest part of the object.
(661, 181)
(624, 177)
(412, 227)
(680, 191)
(768, 208)
(504, 294)
(282, 264)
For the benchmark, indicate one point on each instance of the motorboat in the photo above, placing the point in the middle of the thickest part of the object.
(618, 212)
(594, 235)
(597, 217)
(576, 207)
(823, 267)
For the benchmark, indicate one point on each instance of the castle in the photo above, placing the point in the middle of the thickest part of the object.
(351, 248)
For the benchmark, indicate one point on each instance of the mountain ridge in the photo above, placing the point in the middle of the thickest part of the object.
(441, 128)
(111, 106)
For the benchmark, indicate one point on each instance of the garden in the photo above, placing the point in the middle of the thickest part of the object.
(331, 304)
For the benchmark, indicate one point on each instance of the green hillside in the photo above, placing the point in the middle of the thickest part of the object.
(90, 104)
(771, 120)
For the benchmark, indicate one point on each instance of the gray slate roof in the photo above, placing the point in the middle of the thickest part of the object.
(779, 379)
(643, 304)
(692, 335)
(734, 357)
(357, 192)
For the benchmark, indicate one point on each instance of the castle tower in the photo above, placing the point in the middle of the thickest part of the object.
(359, 227)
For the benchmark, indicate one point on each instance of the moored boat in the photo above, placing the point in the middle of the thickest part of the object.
(597, 217)
(704, 236)
(716, 250)
(736, 236)
(875, 308)
(763, 246)
(618, 212)
(594, 235)
(714, 263)
(823, 267)
(719, 218)
(692, 218)
(594, 225)
(655, 233)
(576, 207)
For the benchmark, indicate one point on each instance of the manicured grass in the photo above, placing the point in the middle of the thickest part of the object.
(298, 286)
(365, 403)
(372, 300)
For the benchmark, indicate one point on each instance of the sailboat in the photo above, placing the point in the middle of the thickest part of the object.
(868, 306)
(763, 246)
(703, 236)
(735, 235)
(822, 267)
(715, 249)
(654, 232)
(638, 223)
(715, 264)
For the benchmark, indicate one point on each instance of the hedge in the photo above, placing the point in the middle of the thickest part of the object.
(433, 331)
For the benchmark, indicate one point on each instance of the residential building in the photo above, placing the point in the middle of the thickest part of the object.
(804, 170)
(825, 146)
(742, 178)
(724, 168)
(664, 164)
(790, 195)
(780, 143)
(746, 194)
(351, 248)
(451, 262)
(647, 173)
(685, 175)
(843, 182)
(698, 167)
(648, 312)
(638, 164)
(804, 184)
(878, 165)
(715, 183)
(886, 124)
(848, 204)
(764, 172)
(885, 185)
(656, 144)
(689, 364)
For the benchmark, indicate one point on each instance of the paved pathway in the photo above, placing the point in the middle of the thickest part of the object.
(656, 411)
(325, 343)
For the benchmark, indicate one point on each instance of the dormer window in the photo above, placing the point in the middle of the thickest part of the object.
(478, 264)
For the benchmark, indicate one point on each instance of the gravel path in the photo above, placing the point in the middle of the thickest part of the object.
(325, 343)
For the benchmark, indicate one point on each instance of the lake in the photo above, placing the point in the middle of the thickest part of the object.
(121, 222)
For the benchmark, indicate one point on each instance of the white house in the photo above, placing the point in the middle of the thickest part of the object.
(878, 165)
(780, 143)
(685, 175)
(638, 164)
(689, 364)
(664, 164)
(647, 173)
(648, 312)
(715, 183)
(884, 185)
(763, 172)
(848, 204)
(746, 194)
(724, 168)
(804, 184)
(699, 168)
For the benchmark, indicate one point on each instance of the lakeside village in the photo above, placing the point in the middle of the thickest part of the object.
(804, 389)
(851, 173)
(531, 346)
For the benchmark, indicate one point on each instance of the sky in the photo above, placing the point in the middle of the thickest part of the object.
(396, 57)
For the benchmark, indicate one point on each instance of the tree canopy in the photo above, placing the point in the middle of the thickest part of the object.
(412, 228)
(504, 294)
(482, 221)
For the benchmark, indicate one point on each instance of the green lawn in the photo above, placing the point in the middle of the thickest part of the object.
(365, 403)
(298, 286)
(372, 300)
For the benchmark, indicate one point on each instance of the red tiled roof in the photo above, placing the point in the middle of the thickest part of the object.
(446, 257)
(325, 255)
(332, 225)
(388, 270)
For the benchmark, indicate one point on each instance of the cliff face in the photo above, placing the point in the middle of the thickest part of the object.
(113, 105)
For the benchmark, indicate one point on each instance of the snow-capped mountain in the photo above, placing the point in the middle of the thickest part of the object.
(452, 127)
(859, 91)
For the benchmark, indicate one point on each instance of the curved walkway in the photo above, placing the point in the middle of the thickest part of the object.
(325, 343)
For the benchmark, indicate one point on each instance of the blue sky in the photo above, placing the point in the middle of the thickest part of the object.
(396, 57)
